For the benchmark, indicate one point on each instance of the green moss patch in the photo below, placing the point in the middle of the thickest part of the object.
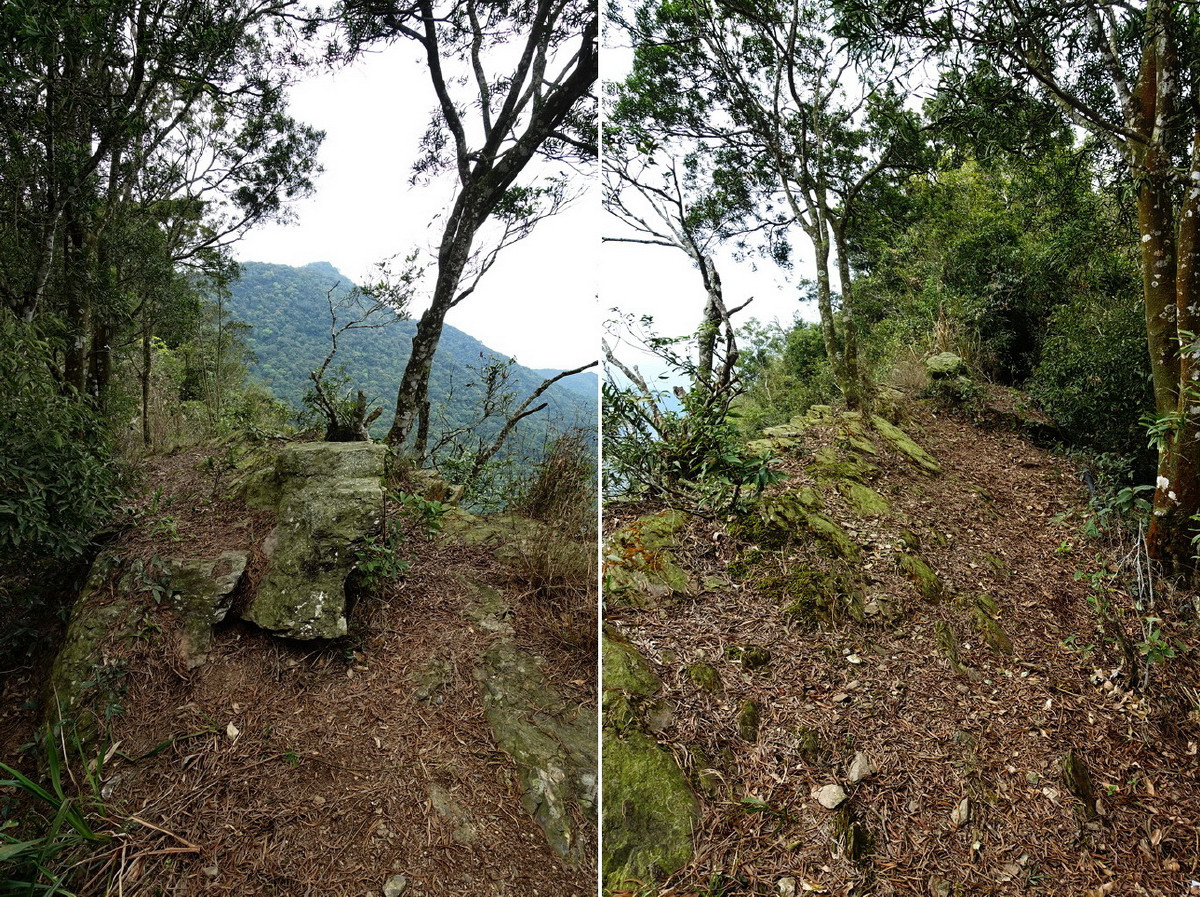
(705, 676)
(904, 444)
(625, 670)
(920, 574)
(649, 812)
(812, 597)
(865, 501)
(749, 720)
(639, 561)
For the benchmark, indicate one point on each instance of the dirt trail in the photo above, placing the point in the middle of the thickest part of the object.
(284, 768)
(986, 727)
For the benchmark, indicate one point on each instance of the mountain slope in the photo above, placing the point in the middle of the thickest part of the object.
(288, 313)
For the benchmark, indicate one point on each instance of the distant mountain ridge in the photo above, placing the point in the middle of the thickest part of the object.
(288, 314)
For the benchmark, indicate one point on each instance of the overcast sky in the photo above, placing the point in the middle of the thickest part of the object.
(538, 303)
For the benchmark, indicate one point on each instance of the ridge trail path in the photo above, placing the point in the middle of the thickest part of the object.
(968, 694)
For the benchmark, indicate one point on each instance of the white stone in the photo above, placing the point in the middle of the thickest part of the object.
(830, 796)
(860, 767)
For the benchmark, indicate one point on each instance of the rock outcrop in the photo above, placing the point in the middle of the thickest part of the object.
(330, 499)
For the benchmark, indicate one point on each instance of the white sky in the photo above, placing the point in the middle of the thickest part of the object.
(538, 303)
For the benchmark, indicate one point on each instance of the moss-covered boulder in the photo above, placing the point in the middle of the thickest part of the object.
(85, 671)
(945, 365)
(201, 590)
(330, 503)
(649, 811)
(625, 670)
(640, 564)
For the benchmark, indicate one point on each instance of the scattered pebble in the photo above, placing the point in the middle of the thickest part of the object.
(961, 814)
(860, 767)
(395, 886)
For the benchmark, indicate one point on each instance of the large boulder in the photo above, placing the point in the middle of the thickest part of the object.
(330, 502)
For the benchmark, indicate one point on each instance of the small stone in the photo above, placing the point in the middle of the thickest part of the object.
(232, 731)
(961, 814)
(318, 801)
(395, 886)
(853, 658)
(830, 796)
(841, 698)
(786, 887)
(860, 767)
(211, 871)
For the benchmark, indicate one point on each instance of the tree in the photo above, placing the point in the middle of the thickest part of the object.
(786, 106)
(125, 115)
(487, 138)
(1130, 76)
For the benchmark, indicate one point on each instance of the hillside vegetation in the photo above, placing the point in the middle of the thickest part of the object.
(287, 311)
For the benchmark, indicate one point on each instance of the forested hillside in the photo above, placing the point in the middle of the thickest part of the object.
(288, 312)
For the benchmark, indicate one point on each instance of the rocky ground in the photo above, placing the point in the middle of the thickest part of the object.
(406, 758)
(906, 672)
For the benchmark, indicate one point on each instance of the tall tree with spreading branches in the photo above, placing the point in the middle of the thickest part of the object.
(513, 82)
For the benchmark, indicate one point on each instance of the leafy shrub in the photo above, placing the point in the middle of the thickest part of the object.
(1094, 376)
(59, 481)
(785, 372)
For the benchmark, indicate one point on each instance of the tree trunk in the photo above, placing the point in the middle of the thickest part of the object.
(853, 387)
(1168, 240)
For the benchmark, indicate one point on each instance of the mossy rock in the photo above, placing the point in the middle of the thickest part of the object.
(639, 561)
(649, 812)
(851, 839)
(749, 720)
(991, 631)
(830, 468)
(865, 501)
(832, 535)
(625, 670)
(945, 364)
(705, 676)
(852, 433)
(909, 540)
(552, 742)
(947, 643)
(751, 657)
(84, 673)
(914, 568)
(904, 444)
(810, 746)
(815, 598)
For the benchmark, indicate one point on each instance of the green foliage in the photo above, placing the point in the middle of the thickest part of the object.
(1093, 375)
(379, 561)
(59, 480)
(785, 372)
(697, 456)
(64, 829)
(427, 512)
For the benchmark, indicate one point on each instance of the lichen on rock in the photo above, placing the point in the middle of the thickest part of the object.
(330, 501)
(640, 564)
